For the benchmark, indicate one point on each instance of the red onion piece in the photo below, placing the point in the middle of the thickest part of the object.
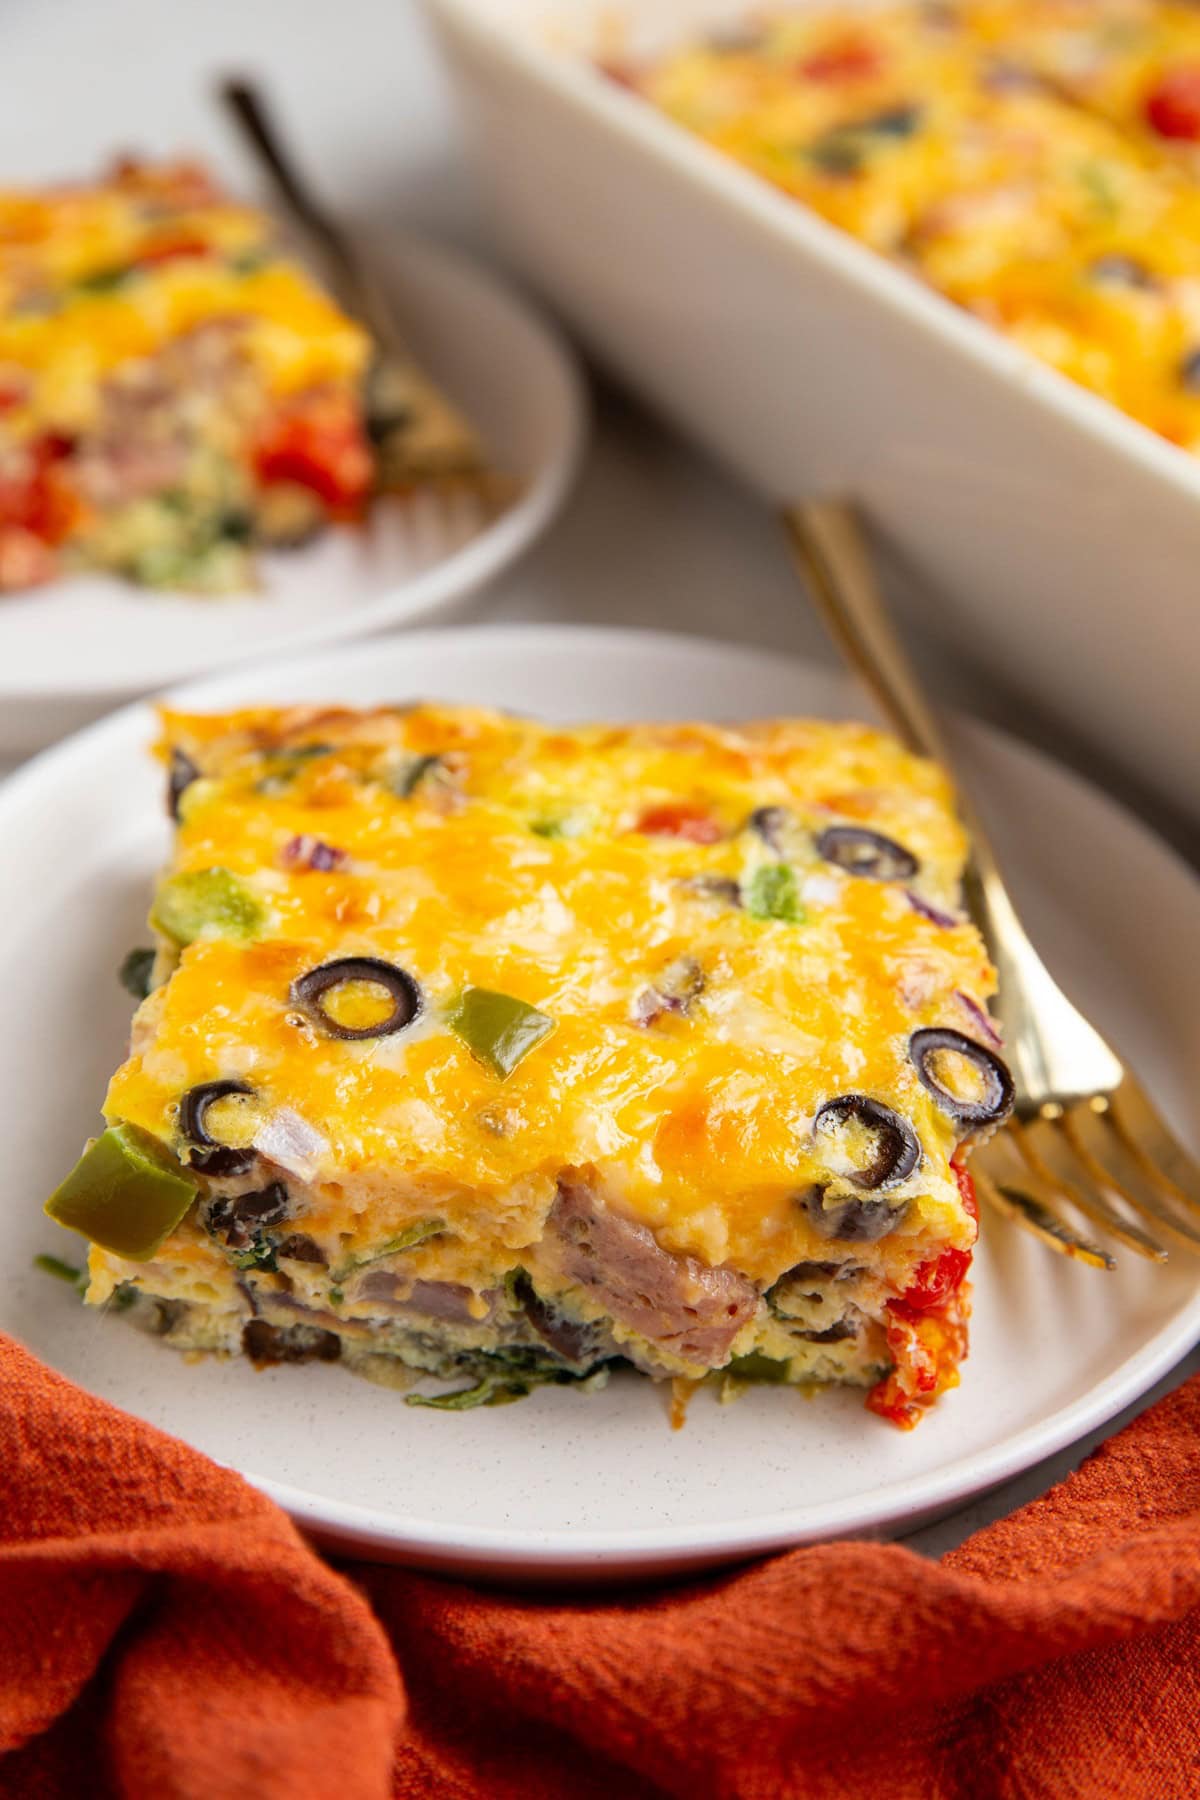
(982, 1018)
(676, 988)
(291, 1142)
(308, 852)
(934, 914)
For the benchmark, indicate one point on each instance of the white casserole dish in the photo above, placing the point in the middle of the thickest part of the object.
(1054, 540)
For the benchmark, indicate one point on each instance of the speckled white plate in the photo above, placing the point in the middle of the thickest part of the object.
(78, 648)
(568, 1485)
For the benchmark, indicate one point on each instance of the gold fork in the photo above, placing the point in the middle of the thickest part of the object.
(1083, 1135)
(421, 441)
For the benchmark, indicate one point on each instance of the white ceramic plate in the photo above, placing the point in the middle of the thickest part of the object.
(566, 1484)
(74, 650)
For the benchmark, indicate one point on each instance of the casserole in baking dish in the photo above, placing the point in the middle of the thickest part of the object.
(1053, 539)
(1033, 160)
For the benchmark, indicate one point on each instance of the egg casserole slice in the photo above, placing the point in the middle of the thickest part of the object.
(506, 1053)
(1033, 160)
(175, 389)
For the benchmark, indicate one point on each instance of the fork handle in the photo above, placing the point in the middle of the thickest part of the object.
(828, 547)
(346, 273)
(1048, 1042)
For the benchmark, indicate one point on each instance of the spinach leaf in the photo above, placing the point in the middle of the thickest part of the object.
(408, 1239)
(489, 1390)
(259, 1255)
(62, 1271)
(103, 281)
(136, 971)
(502, 1376)
(405, 780)
(756, 1367)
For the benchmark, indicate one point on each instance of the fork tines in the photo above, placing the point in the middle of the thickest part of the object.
(1105, 1157)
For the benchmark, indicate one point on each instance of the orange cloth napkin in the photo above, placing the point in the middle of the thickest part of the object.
(165, 1632)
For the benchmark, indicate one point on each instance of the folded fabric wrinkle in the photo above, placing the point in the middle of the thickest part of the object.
(164, 1629)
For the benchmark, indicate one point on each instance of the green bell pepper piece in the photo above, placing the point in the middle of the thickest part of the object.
(754, 1366)
(497, 1028)
(771, 893)
(127, 1193)
(202, 900)
(408, 1239)
(283, 766)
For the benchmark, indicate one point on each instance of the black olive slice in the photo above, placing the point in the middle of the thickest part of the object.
(299, 1247)
(181, 772)
(850, 1221)
(309, 991)
(210, 1156)
(997, 1099)
(869, 853)
(899, 1151)
(264, 1343)
(237, 1219)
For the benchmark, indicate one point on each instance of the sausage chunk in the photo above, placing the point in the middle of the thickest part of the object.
(435, 1299)
(684, 1306)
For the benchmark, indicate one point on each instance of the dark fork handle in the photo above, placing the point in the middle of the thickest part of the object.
(349, 277)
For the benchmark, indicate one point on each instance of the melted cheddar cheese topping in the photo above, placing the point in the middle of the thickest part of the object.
(1032, 160)
(711, 978)
(93, 277)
